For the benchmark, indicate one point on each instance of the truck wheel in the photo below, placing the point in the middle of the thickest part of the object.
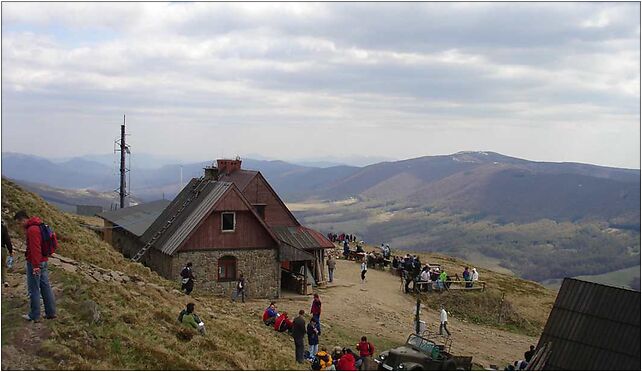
(449, 365)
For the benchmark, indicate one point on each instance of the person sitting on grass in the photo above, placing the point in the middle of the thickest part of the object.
(282, 323)
(188, 318)
(325, 360)
(347, 361)
(270, 314)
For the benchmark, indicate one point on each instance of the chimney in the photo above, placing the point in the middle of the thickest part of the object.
(211, 172)
(228, 166)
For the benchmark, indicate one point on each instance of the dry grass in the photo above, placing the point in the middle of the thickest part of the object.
(138, 329)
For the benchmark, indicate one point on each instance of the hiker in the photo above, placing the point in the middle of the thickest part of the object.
(475, 275)
(325, 360)
(467, 277)
(529, 354)
(37, 272)
(316, 311)
(332, 264)
(443, 321)
(443, 277)
(187, 279)
(298, 332)
(366, 350)
(270, 314)
(425, 278)
(188, 318)
(7, 253)
(364, 270)
(387, 252)
(347, 361)
(313, 337)
(282, 323)
(240, 288)
(346, 250)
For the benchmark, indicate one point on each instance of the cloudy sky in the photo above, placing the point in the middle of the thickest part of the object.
(541, 81)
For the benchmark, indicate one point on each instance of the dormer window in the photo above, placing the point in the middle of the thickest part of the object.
(228, 221)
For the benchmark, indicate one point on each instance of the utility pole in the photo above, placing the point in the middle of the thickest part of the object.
(123, 147)
(417, 319)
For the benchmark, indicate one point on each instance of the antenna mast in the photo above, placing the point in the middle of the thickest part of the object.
(124, 151)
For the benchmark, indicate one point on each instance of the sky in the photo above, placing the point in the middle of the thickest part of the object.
(199, 81)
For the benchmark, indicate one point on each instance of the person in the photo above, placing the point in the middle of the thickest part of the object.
(332, 264)
(188, 318)
(443, 277)
(187, 279)
(364, 270)
(282, 323)
(425, 277)
(298, 332)
(325, 360)
(443, 321)
(475, 275)
(347, 361)
(240, 288)
(270, 314)
(388, 251)
(467, 277)
(316, 311)
(36, 269)
(7, 253)
(346, 250)
(359, 247)
(529, 354)
(395, 263)
(313, 337)
(366, 350)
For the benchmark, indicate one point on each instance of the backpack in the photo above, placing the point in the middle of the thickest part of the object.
(49, 241)
(316, 364)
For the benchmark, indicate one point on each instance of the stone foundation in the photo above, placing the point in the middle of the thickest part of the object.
(260, 268)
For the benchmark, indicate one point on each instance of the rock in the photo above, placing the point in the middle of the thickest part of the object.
(106, 277)
(91, 278)
(141, 284)
(68, 267)
(90, 312)
(96, 276)
(176, 291)
(125, 279)
(54, 261)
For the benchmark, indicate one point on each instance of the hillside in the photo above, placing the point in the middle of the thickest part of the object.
(115, 314)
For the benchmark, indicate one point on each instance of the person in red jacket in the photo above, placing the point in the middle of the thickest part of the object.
(282, 323)
(366, 350)
(346, 362)
(316, 311)
(37, 273)
(270, 314)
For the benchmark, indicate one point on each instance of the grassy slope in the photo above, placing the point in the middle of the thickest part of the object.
(138, 330)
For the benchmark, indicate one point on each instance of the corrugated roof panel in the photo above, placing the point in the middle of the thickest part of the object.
(136, 219)
(593, 326)
(191, 219)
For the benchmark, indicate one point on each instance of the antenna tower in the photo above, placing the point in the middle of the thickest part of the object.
(120, 146)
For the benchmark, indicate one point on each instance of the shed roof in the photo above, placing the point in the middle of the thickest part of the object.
(301, 237)
(136, 219)
(593, 327)
(204, 193)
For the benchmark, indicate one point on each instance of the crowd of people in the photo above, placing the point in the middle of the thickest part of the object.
(340, 359)
(334, 237)
(521, 365)
(426, 277)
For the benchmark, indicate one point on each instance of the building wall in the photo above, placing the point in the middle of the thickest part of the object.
(259, 266)
(276, 214)
(125, 242)
(248, 231)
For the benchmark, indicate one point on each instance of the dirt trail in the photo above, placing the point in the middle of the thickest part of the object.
(383, 309)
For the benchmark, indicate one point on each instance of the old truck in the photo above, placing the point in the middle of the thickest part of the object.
(423, 353)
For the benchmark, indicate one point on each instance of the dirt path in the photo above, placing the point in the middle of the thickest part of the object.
(381, 307)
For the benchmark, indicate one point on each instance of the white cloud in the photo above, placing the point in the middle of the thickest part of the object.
(287, 70)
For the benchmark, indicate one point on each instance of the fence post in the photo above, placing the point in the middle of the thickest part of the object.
(501, 307)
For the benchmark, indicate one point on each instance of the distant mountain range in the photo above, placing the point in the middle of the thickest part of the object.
(486, 183)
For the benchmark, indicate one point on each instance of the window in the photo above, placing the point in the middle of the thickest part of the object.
(228, 221)
(260, 210)
(227, 269)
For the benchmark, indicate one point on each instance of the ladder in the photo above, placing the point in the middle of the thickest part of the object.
(196, 190)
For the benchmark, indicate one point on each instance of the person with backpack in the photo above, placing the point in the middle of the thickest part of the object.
(41, 243)
(313, 337)
(282, 323)
(7, 253)
(347, 361)
(240, 289)
(187, 279)
(366, 350)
